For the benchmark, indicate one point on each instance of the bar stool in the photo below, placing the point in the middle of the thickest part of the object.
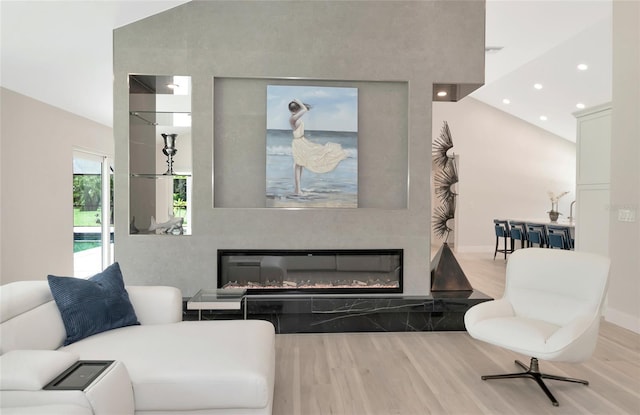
(502, 231)
(518, 232)
(559, 237)
(537, 234)
(556, 240)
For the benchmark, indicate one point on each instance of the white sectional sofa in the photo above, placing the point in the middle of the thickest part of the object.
(162, 366)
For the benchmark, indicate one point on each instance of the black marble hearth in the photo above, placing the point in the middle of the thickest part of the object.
(443, 311)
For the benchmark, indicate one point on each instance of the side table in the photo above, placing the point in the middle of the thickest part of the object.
(218, 299)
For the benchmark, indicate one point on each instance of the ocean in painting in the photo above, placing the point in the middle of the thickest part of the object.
(337, 188)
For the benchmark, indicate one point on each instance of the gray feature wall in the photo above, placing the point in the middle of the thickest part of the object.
(393, 52)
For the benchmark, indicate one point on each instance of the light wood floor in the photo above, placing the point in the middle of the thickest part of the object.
(439, 372)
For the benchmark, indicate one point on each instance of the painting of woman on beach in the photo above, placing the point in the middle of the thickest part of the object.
(312, 152)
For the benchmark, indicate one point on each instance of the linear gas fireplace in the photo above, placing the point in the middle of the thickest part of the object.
(335, 271)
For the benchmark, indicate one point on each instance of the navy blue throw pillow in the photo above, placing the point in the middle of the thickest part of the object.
(92, 306)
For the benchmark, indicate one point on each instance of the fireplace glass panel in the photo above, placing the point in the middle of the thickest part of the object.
(318, 271)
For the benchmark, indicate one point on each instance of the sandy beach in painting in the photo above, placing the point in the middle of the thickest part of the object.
(314, 200)
(335, 189)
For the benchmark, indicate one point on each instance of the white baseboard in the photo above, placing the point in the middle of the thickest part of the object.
(622, 319)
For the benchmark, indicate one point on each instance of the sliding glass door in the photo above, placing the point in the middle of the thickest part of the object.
(92, 213)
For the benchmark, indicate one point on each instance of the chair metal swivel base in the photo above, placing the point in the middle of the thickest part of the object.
(534, 373)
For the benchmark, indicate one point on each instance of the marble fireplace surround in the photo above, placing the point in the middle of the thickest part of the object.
(326, 313)
(360, 306)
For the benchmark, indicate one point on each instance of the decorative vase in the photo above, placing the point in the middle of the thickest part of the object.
(553, 213)
(169, 150)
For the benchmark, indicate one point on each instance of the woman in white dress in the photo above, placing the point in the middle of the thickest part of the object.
(317, 158)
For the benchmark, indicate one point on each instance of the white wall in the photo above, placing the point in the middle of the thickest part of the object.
(506, 167)
(623, 306)
(37, 142)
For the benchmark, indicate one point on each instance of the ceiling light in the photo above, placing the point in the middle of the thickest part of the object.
(583, 67)
(173, 86)
(506, 101)
(493, 49)
(537, 86)
(445, 92)
(580, 105)
(543, 118)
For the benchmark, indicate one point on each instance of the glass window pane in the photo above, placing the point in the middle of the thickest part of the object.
(87, 214)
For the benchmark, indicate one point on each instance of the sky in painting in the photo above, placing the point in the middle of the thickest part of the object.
(332, 108)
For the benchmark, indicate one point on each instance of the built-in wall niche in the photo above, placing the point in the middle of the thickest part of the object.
(240, 141)
(160, 156)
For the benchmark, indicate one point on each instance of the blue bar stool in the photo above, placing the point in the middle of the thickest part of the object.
(559, 237)
(556, 240)
(537, 234)
(502, 231)
(518, 233)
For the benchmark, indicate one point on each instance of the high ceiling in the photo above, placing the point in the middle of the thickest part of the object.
(544, 42)
(60, 53)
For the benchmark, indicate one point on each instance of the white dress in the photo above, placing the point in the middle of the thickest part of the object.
(316, 157)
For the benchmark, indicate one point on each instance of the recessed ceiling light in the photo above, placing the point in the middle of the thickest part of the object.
(493, 49)
(442, 93)
(506, 101)
(543, 118)
(580, 105)
(583, 67)
(537, 86)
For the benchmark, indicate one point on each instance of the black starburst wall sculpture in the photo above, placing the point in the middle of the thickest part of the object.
(444, 181)
(441, 146)
(441, 217)
(446, 273)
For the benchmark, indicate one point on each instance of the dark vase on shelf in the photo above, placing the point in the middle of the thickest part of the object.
(169, 150)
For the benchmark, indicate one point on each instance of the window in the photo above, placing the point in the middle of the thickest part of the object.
(92, 213)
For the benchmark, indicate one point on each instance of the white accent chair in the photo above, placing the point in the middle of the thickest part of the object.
(550, 310)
